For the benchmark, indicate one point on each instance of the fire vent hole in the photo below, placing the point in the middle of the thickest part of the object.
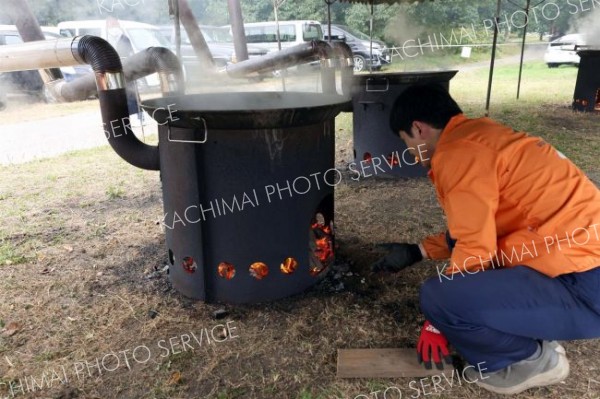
(259, 270)
(226, 270)
(189, 264)
(597, 105)
(393, 159)
(321, 253)
(289, 266)
(367, 157)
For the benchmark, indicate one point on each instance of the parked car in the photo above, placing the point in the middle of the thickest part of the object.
(291, 33)
(361, 47)
(219, 41)
(564, 50)
(140, 35)
(30, 82)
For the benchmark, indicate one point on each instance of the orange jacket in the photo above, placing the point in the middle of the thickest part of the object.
(511, 199)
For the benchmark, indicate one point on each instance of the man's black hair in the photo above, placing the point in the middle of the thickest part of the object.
(430, 103)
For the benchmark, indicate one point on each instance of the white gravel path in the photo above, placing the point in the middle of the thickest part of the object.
(26, 141)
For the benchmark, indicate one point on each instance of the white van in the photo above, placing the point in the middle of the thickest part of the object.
(140, 35)
(291, 33)
(564, 50)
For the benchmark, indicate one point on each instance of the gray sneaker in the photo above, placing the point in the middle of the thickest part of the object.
(549, 368)
(557, 347)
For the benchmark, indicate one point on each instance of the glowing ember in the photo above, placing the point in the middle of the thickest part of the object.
(367, 157)
(189, 265)
(289, 266)
(259, 270)
(226, 270)
(393, 160)
(321, 244)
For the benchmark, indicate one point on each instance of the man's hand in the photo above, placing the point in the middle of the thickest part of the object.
(399, 257)
(432, 344)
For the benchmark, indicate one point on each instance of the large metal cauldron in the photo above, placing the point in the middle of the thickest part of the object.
(226, 162)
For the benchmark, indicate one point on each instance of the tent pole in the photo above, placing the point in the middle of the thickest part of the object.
(329, 3)
(371, 37)
(523, 47)
(493, 60)
(177, 24)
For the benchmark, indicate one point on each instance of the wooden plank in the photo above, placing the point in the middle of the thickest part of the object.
(383, 363)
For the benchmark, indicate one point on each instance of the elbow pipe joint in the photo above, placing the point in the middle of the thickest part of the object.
(110, 82)
(346, 66)
(344, 54)
(324, 52)
(161, 61)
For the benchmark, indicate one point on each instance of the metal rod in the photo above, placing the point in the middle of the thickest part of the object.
(523, 47)
(188, 20)
(296, 55)
(38, 54)
(329, 3)
(237, 30)
(371, 38)
(275, 9)
(29, 30)
(177, 23)
(493, 60)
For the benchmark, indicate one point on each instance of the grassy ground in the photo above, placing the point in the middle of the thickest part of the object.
(80, 246)
(440, 58)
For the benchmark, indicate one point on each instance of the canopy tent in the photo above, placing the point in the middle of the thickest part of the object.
(372, 3)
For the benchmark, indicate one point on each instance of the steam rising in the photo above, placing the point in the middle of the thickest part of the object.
(589, 25)
(400, 28)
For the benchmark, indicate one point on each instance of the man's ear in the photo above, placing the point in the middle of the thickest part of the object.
(423, 129)
(418, 128)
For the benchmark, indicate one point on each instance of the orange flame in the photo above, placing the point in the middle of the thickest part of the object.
(393, 160)
(226, 270)
(323, 251)
(259, 270)
(289, 266)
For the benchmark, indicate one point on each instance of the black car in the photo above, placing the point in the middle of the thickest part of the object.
(361, 48)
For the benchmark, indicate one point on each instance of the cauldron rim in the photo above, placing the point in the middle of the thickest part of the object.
(245, 110)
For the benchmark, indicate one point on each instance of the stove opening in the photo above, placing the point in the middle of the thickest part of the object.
(597, 104)
(259, 270)
(367, 157)
(393, 160)
(289, 266)
(320, 238)
(226, 270)
(189, 264)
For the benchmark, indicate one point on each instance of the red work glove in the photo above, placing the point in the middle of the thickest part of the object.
(431, 344)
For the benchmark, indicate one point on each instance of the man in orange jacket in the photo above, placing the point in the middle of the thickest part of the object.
(523, 246)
